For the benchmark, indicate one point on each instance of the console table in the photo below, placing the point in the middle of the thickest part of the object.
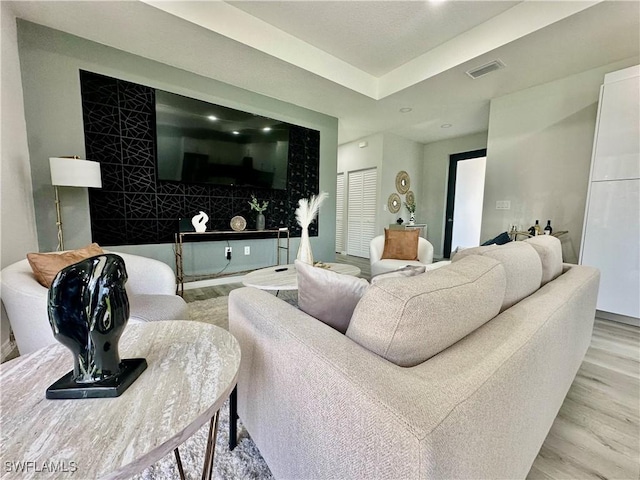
(192, 369)
(281, 235)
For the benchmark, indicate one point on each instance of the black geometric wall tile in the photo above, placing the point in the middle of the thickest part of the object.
(140, 205)
(170, 188)
(138, 152)
(104, 148)
(137, 125)
(139, 179)
(170, 206)
(136, 97)
(110, 231)
(167, 229)
(100, 118)
(104, 204)
(196, 189)
(221, 208)
(98, 88)
(141, 231)
(112, 177)
(195, 204)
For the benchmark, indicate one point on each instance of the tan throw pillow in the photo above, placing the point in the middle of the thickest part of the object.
(401, 244)
(328, 296)
(46, 266)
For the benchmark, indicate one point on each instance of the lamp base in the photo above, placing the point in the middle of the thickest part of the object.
(67, 388)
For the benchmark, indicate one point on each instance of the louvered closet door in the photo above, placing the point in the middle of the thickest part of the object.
(361, 211)
(340, 213)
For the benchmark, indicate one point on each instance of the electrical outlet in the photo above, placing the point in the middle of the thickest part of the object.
(247, 250)
(227, 253)
(503, 205)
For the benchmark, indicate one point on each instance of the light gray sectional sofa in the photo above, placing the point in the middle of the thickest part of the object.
(454, 373)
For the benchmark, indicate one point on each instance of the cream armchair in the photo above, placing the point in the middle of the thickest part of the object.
(151, 290)
(378, 265)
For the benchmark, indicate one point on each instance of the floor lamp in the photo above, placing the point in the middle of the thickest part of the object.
(72, 172)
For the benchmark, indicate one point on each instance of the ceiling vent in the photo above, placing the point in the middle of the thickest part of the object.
(485, 69)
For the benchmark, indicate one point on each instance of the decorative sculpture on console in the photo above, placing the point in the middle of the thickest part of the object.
(199, 222)
(88, 310)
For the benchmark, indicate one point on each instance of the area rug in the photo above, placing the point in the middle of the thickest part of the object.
(245, 461)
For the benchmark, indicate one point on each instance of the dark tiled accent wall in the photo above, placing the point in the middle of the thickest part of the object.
(133, 207)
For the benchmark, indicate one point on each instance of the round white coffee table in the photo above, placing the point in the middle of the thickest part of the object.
(283, 277)
(192, 369)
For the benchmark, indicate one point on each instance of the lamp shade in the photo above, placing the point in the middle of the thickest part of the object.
(73, 172)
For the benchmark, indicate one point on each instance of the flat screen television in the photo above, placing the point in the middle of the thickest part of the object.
(199, 142)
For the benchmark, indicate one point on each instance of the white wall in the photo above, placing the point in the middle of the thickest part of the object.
(18, 228)
(390, 154)
(539, 155)
(435, 174)
(400, 154)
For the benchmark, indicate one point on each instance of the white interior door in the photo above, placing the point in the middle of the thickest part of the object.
(340, 248)
(467, 210)
(361, 211)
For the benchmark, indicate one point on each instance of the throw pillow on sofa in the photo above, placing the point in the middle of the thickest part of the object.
(409, 320)
(401, 244)
(46, 266)
(328, 296)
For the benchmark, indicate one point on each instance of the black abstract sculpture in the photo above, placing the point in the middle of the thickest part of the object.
(88, 310)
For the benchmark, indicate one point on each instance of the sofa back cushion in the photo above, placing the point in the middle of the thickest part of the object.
(521, 264)
(550, 251)
(409, 320)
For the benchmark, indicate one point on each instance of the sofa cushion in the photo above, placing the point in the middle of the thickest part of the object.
(328, 296)
(401, 244)
(550, 251)
(522, 267)
(406, 271)
(409, 320)
(46, 266)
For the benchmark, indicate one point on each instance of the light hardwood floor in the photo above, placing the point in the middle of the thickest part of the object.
(596, 434)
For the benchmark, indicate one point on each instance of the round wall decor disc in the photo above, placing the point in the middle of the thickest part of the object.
(403, 182)
(411, 198)
(394, 203)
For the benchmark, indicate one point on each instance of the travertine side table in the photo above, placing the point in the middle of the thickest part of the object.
(192, 368)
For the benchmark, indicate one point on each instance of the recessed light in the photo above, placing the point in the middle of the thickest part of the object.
(235, 132)
(266, 129)
(446, 125)
(405, 109)
(212, 117)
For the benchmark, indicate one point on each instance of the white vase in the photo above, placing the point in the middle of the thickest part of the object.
(412, 219)
(304, 250)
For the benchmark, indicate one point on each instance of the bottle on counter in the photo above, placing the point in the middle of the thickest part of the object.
(538, 230)
(548, 230)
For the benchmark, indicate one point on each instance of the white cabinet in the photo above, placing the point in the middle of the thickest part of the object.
(611, 239)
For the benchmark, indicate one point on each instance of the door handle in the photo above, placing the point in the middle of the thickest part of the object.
(449, 219)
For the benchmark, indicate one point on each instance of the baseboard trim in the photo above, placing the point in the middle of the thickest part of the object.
(635, 322)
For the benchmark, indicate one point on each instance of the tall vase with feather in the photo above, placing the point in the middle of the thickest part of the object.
(305, 214)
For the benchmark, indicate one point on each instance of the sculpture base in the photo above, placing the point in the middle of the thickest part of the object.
(67, 388)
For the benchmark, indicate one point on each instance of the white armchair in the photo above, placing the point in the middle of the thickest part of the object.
(151, 290)
(378, 265)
